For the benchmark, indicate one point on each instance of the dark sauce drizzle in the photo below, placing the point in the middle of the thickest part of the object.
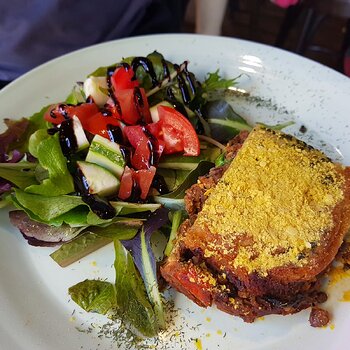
(166, 72)
(135, 192)
(147, 65)
(115, 134)
(153, 146)
(99, 206)
(159, 184)
(182, 86)
(139, 103)
(67, 138)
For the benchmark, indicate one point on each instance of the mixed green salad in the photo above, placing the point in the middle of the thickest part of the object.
(112, 164)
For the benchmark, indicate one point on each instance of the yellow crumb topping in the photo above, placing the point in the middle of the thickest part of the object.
(277, 197)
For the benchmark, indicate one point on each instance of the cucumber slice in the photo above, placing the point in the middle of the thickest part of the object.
(107, 154)
(82, 141)
(99, 180)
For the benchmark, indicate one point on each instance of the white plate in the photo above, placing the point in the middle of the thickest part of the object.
(35, 312)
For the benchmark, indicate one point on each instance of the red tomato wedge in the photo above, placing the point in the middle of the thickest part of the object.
(148, 149)
(126, 184)
(122, 78)
(56, 113)
(134, 106)
(141, 179)
(176, 131)
(134, 134)
(144, 179)
(99, 124)
(131, 98)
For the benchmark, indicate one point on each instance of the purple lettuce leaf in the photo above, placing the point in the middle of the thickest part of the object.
(39, 234)
(15, 131)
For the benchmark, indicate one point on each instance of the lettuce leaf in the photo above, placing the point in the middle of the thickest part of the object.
(39, 234)
(133, 307)
(141, 251)
(176, 219)
(18, 132)
(47, 208)
(50, 157)
(215, 82)
(15, 132)
(94, 296)
(20, 174)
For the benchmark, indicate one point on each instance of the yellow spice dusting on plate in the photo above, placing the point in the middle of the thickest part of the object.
(208, 319)
(277, 194)
(219, 332)
(198, 344)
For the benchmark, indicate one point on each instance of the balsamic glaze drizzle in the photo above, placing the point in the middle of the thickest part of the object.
(182, 86)
(99, 206)
(115, 134)
(67, 138)
(159, 184)
(153, 146)
(147, 65)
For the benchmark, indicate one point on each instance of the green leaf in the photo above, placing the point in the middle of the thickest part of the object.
(133, 306)
(81, 246)
(176, 221)
(122, 230)
(33, 123)
(223, 121)
(202, 169)
(278, 127)
(21, 174)
(76, 96)
(170, 203)
(215, 82)
(94, 238)
(101, 71)
(172, 177)
(94, 295)
(50, 157)
(151, 283)
(189, 163)
(174, 200)
(125, 208)
(47, 208)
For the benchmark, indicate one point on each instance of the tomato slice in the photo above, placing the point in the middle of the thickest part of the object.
(122, 78)
(134, 134)
(148, 148)
(56, 114)
(176, 132)
(134, 106)
(142, 179)
(98, 124)
(126, 184)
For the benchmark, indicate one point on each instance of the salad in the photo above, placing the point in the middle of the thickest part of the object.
(112, 163)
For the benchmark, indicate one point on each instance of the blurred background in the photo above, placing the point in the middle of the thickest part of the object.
(316, 29)
(35, 31)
